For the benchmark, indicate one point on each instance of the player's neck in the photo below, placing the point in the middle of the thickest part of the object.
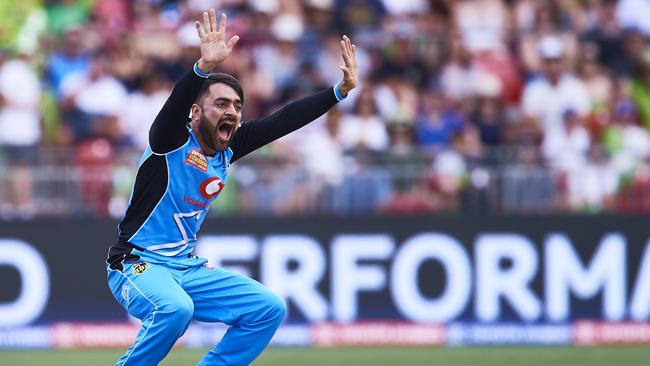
(205, 149)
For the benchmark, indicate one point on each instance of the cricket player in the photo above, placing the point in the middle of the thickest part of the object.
(151, 269)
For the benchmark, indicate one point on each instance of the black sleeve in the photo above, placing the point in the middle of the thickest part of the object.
(168, 131)
(259, 132)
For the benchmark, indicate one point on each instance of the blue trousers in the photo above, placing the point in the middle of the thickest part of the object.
(166, 300)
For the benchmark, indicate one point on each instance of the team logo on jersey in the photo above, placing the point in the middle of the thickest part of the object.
(140, 267)
(196, 159)
(125, 293)
(211, 187)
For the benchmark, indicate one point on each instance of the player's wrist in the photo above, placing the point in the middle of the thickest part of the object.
(202, 68)
(340, 91)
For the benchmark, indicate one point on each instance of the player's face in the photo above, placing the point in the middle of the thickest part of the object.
(220, 116)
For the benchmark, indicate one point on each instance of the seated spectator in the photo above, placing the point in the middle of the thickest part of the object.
(327, 169)
(626, 142)
(566, 149)
(593, 186)
(364, 128)
(489, 118)
(92, 103)
(598, 84)
(446, 181)
(436, 125)
(549, 21)
(20, 133)
(70, 58)
(141, 108)
(548, 96)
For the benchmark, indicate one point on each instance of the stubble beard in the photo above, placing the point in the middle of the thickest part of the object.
(207, 133)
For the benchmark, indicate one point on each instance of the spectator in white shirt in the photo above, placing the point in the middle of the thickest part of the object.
(93, 102)
(566, 148)
(20, 132)
(547, 97)
(364, 129)
(142, 107)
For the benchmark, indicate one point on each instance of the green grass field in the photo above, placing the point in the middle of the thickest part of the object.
(474, 356)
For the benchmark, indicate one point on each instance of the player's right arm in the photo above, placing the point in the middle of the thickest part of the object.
(168, 131)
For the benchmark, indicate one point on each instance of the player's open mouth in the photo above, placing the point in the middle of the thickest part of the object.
(225, 130)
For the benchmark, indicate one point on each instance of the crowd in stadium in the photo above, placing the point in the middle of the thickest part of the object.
(491, 106)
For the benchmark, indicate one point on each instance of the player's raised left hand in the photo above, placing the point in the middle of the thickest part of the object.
(350, 68)
(214, 48)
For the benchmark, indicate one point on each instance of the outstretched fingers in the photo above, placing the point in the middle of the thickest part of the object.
(199, 29)
(233, 41)
(213, 20)
(222, 23)
(347, 51)
(346, 72)
(206, 22)
(351, 50)
(344, 52)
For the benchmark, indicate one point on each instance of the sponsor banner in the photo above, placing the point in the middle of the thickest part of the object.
(203, 335)
(460, 334)
(426, 270)
(378, 334)
(26, 337)
(293, 336)
(79, 335)
(603, 333)
(206, 335)
(121, 335)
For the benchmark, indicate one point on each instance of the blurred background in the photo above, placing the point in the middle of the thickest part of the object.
(487, 183)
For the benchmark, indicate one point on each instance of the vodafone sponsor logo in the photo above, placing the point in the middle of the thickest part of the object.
(600, 333)
(211, 187)
(196, 159)
(195, 202)
(378, 334)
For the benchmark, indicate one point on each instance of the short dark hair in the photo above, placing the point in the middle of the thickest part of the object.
(219, 77)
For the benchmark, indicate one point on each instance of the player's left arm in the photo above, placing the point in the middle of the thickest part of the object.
(259, 132)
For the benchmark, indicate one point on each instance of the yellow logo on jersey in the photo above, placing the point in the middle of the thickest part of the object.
(140, 267)
(196, 159)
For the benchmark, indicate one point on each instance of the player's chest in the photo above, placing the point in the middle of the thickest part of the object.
(195, 179)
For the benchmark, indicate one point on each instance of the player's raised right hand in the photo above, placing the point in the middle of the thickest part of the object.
(214, 48)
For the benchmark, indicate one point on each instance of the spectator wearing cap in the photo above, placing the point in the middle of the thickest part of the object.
(548, 96)
(634, 14)
(547, 19)
(281, 60)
